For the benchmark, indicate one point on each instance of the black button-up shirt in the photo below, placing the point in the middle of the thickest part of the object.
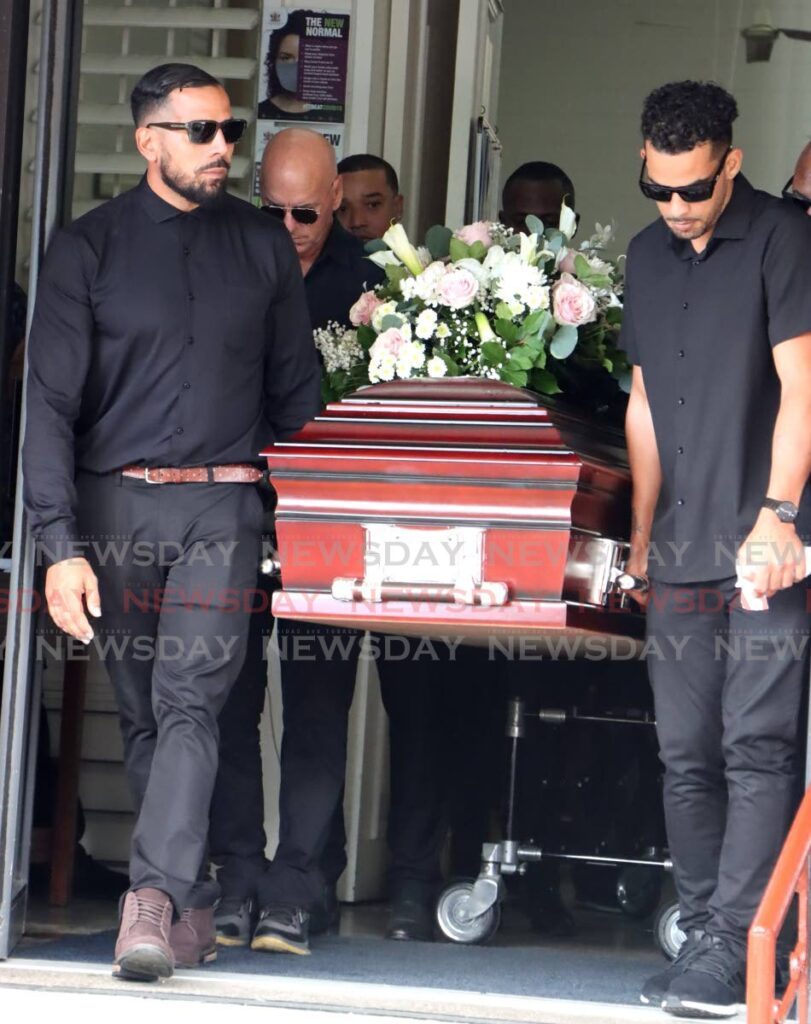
(702, 326)
(165, 339)
(338, 277)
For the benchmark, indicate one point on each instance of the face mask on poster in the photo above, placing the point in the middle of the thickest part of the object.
(287, 72)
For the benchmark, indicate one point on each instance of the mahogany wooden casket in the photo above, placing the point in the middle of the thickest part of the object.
(461, 507)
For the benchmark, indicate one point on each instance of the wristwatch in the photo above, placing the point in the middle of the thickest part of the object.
(786, 511)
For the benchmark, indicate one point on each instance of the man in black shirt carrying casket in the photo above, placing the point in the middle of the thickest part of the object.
(718, 326)
(170, 344)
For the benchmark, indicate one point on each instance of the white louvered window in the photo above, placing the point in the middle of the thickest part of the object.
(124, 38)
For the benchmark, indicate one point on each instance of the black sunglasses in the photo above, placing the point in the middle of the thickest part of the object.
(804, 202)
(200, 132)
(698, 192)
(302, 214)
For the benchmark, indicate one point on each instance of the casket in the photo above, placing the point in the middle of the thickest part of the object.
(463, 507)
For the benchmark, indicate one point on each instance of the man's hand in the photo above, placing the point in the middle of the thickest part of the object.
(66, 583)
(772, 557)
(637, 565)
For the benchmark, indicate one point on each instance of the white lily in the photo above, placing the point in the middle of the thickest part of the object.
(529, 248)
(486, 332)
(385, 258)
(568, 220)
(397, 240)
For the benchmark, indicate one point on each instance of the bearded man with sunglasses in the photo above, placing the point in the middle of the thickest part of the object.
(170, 344)
(717, 323)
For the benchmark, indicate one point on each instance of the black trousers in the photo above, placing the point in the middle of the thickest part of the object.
(435, 706)
(175, 563)
(727, 690)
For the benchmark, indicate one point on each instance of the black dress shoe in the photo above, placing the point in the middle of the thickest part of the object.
(325, 915)
(411, 920)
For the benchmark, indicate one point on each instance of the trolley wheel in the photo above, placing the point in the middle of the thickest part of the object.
(669, 937)
(639, 890)
(452, 921)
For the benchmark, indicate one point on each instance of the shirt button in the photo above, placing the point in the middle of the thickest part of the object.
(685, 305)
(681, 401)
(179, 430)
(680, 450)
(186, 385)
(696, 263)
(191, 339)
(681, 353)
(680, 501)
(186, 250)
(191, 297)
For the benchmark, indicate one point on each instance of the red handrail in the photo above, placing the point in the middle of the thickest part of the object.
(790, 877)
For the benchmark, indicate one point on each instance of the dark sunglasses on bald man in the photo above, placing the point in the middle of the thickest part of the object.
(200, 132)
(804, 202)
(302, 214)
(698, 192)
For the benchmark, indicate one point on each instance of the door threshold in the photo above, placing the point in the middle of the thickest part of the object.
(307, 994)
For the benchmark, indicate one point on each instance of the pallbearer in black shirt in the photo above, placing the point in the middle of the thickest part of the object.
(718, 327)
(170, 343)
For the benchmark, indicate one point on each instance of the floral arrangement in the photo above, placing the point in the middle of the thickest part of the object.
(484, 301)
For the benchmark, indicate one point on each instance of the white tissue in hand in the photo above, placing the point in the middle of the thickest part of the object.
(753, 602)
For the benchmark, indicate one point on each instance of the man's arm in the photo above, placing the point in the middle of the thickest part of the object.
(292, 370)
(773, 552)
(646, 476)
(59, 352)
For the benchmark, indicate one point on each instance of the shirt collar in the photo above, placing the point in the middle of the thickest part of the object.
(340, 247)
(159, 210)
(732, 224)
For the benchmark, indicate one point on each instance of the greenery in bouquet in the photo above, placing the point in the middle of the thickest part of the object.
(528, 309)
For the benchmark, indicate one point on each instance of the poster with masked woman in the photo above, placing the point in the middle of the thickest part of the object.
(304, 65)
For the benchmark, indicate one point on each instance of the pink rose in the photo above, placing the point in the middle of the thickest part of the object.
(572, 302)
(361, 312)
(388, 343)
(457, 289)
(478, 232)
(566, 262)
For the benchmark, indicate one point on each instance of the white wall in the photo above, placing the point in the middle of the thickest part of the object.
(574, 74)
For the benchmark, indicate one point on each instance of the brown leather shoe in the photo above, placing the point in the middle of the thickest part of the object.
(194, 938)
(142, 950)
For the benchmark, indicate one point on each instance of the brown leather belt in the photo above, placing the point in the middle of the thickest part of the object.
(238, 474)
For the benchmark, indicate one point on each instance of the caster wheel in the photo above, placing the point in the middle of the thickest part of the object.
(453, 923)
(669, 937)
(639, 890)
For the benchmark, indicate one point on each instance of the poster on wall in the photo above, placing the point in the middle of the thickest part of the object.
(304, 55)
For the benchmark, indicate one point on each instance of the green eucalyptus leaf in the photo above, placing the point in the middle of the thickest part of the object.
(438, 240)
(624, 381)
(534, 224)
(564, 342)
(391, 320)
(375, 245)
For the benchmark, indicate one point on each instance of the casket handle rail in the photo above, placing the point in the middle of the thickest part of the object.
(486, 594)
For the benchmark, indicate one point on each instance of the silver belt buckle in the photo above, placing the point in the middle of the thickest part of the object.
(146, 476)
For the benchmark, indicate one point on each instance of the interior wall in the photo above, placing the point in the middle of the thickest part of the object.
(574, 74)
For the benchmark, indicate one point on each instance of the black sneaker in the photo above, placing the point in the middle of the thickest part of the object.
(655, 988)
(713, 986)
(234, 921)
(282, 930)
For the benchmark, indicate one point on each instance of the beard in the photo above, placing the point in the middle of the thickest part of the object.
(195, 190)
(692, 228)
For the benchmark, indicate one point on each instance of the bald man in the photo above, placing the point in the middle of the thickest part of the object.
(300, 187)
(798, 188)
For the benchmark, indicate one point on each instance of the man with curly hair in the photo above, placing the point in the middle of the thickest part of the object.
(718, 327)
